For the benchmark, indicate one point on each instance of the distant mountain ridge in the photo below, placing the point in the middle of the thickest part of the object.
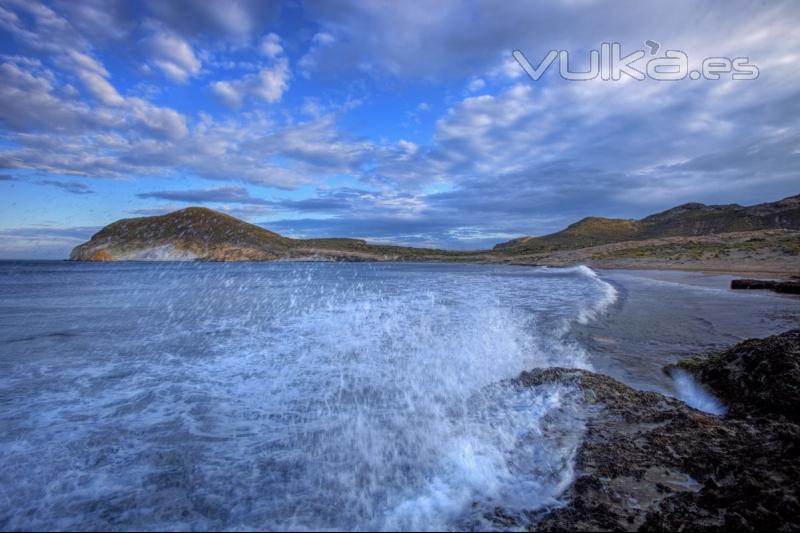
(687, 220)
(764, 237)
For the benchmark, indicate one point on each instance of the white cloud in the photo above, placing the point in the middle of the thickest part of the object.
(161, 121)
(267, 85)
(270, 46)
(235, 20)
(29, 102)
(308, 62)
(513, 149)
(476, 85)
(94, 77)
(100, 88)
(99, 19)
(323, 39)
(173, 55)
(55, 133)
(270, 83)
(40, 27)
(227, 93)
(84, 62)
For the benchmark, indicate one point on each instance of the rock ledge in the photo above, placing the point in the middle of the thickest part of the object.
(649, 462)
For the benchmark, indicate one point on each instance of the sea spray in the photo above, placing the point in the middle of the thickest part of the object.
(695, 394)
(297, 396)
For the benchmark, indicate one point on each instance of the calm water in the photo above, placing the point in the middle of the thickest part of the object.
(307, 395)
(661, 317)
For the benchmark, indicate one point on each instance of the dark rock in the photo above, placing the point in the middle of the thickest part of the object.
(753, 284)
(789, 287)
(759, 376)
(650, 463)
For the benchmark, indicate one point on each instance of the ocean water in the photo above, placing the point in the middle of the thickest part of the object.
(308, 395)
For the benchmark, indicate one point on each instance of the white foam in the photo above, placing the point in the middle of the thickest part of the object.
(299, 396)
(694, 394)
(595, 307)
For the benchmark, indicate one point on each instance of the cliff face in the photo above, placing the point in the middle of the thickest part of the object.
(688, 220)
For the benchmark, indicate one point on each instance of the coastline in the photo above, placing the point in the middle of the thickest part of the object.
(782, 268)
(655, 459)
(642, 444)
(203, 234)
(650, 462)
(770, 272)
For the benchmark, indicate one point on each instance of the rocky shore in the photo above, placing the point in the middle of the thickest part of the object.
(649, 462)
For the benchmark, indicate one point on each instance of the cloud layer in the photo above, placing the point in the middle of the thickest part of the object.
(403, 122)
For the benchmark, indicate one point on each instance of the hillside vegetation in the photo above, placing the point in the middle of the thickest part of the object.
(764, 237)
(205, 234)
(688, 220)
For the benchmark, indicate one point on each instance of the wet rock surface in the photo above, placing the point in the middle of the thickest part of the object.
(755, 377)
(649, 462)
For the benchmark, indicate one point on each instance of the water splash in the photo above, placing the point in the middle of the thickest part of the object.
(287, 396)
(695, 394)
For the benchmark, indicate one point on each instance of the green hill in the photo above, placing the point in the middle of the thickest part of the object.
(198, 233)
(205, 234)
(688, 220)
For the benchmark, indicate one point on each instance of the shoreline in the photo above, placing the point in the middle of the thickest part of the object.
(639, 444)
(775, 273)
(772, 274)
(648, 461)
(782, 274)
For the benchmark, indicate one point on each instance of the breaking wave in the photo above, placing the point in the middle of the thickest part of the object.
(298, 396)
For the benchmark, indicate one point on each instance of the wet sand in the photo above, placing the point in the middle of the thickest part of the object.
(661, 316)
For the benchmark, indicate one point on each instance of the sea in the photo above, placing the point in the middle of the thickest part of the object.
(326, 396)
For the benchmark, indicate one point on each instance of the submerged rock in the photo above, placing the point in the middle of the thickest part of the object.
(649, 462)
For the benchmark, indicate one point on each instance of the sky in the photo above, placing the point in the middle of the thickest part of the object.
(397, 122)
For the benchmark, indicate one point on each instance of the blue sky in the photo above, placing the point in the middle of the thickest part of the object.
(401, 122)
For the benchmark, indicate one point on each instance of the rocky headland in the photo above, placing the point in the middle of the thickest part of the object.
(652, 463)
(201, 234)
(763, 238)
